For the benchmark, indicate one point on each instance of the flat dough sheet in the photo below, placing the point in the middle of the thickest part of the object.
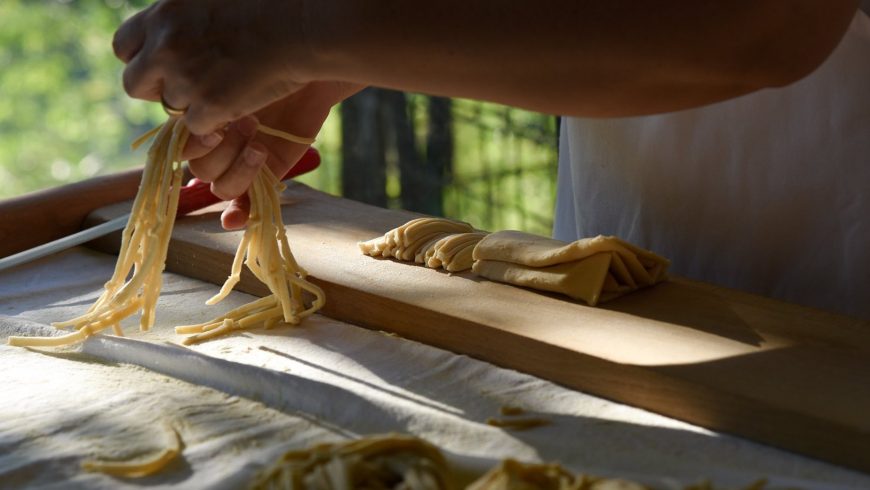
(240, 401)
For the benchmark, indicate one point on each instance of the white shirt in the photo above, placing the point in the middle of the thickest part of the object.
(768, 193)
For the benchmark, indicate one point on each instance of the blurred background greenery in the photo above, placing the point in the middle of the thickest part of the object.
(64, 117)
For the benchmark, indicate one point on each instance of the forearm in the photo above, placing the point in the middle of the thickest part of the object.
(592, 58)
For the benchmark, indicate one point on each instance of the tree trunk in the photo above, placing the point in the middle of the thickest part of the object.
(363, 171)
(439, 153)
(412, 178)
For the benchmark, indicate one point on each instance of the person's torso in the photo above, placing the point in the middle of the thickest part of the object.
(768, 193)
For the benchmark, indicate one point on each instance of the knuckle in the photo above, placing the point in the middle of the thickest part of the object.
(117, 45)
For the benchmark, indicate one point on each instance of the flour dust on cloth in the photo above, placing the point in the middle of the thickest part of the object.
(769, 192)
(591, 269)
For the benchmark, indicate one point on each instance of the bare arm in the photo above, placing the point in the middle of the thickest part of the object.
(588, 58)
(227, 58)
(288, 61)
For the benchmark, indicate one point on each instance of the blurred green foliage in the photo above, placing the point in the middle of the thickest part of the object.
(504, 169)
(65, 117)
(63, 112)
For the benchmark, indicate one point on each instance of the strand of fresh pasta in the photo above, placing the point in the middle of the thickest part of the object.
(144, 243)
(266, 252)
(139, 468)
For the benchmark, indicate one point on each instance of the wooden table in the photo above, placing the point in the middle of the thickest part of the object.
(781, 374)
(778, 373)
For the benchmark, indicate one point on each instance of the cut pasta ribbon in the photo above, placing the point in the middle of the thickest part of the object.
(512, 474)
(145, 241)
(285, 135)
(518, 423)
(387, 461)
(138, 469)
(408, 463)
(264, 249)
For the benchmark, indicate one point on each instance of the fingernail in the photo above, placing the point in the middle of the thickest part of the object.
(211, 139)
(253, 156)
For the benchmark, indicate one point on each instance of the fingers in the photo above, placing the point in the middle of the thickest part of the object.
(239, 176)
(142, 79)
(212, 62)
(205, 117)
(174, 95)
(232, 164)
(130, 37)
(199, 146)
(235, 216)
(210, 166)
(284, 155)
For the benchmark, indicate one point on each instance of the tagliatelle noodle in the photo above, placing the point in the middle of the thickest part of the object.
(375, 462)
(144, 243)
(518, 423)
(285, 135)
(265, 251)
(140, 468)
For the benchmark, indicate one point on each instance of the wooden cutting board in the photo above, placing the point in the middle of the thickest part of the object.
(781, 374)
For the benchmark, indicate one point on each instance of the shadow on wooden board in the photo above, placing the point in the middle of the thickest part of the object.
(778, 373)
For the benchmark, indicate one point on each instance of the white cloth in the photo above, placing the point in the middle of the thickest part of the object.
(322, 381)
(768, 193)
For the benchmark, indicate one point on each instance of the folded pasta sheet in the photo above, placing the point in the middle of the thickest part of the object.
(390, 461)
(591, 269)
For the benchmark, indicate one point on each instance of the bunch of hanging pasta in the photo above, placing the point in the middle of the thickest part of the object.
(145, 241)
(264, 249)
(143, 245)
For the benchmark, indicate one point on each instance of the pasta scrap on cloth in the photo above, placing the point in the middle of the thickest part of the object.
(590, 269)
(433, 242)
(139, 468)
(388, 461)
(513, 475)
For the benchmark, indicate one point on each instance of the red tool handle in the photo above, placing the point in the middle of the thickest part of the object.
(197, 194)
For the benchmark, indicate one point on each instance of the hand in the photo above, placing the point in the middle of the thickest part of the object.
(231, 157)
(218, 59)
